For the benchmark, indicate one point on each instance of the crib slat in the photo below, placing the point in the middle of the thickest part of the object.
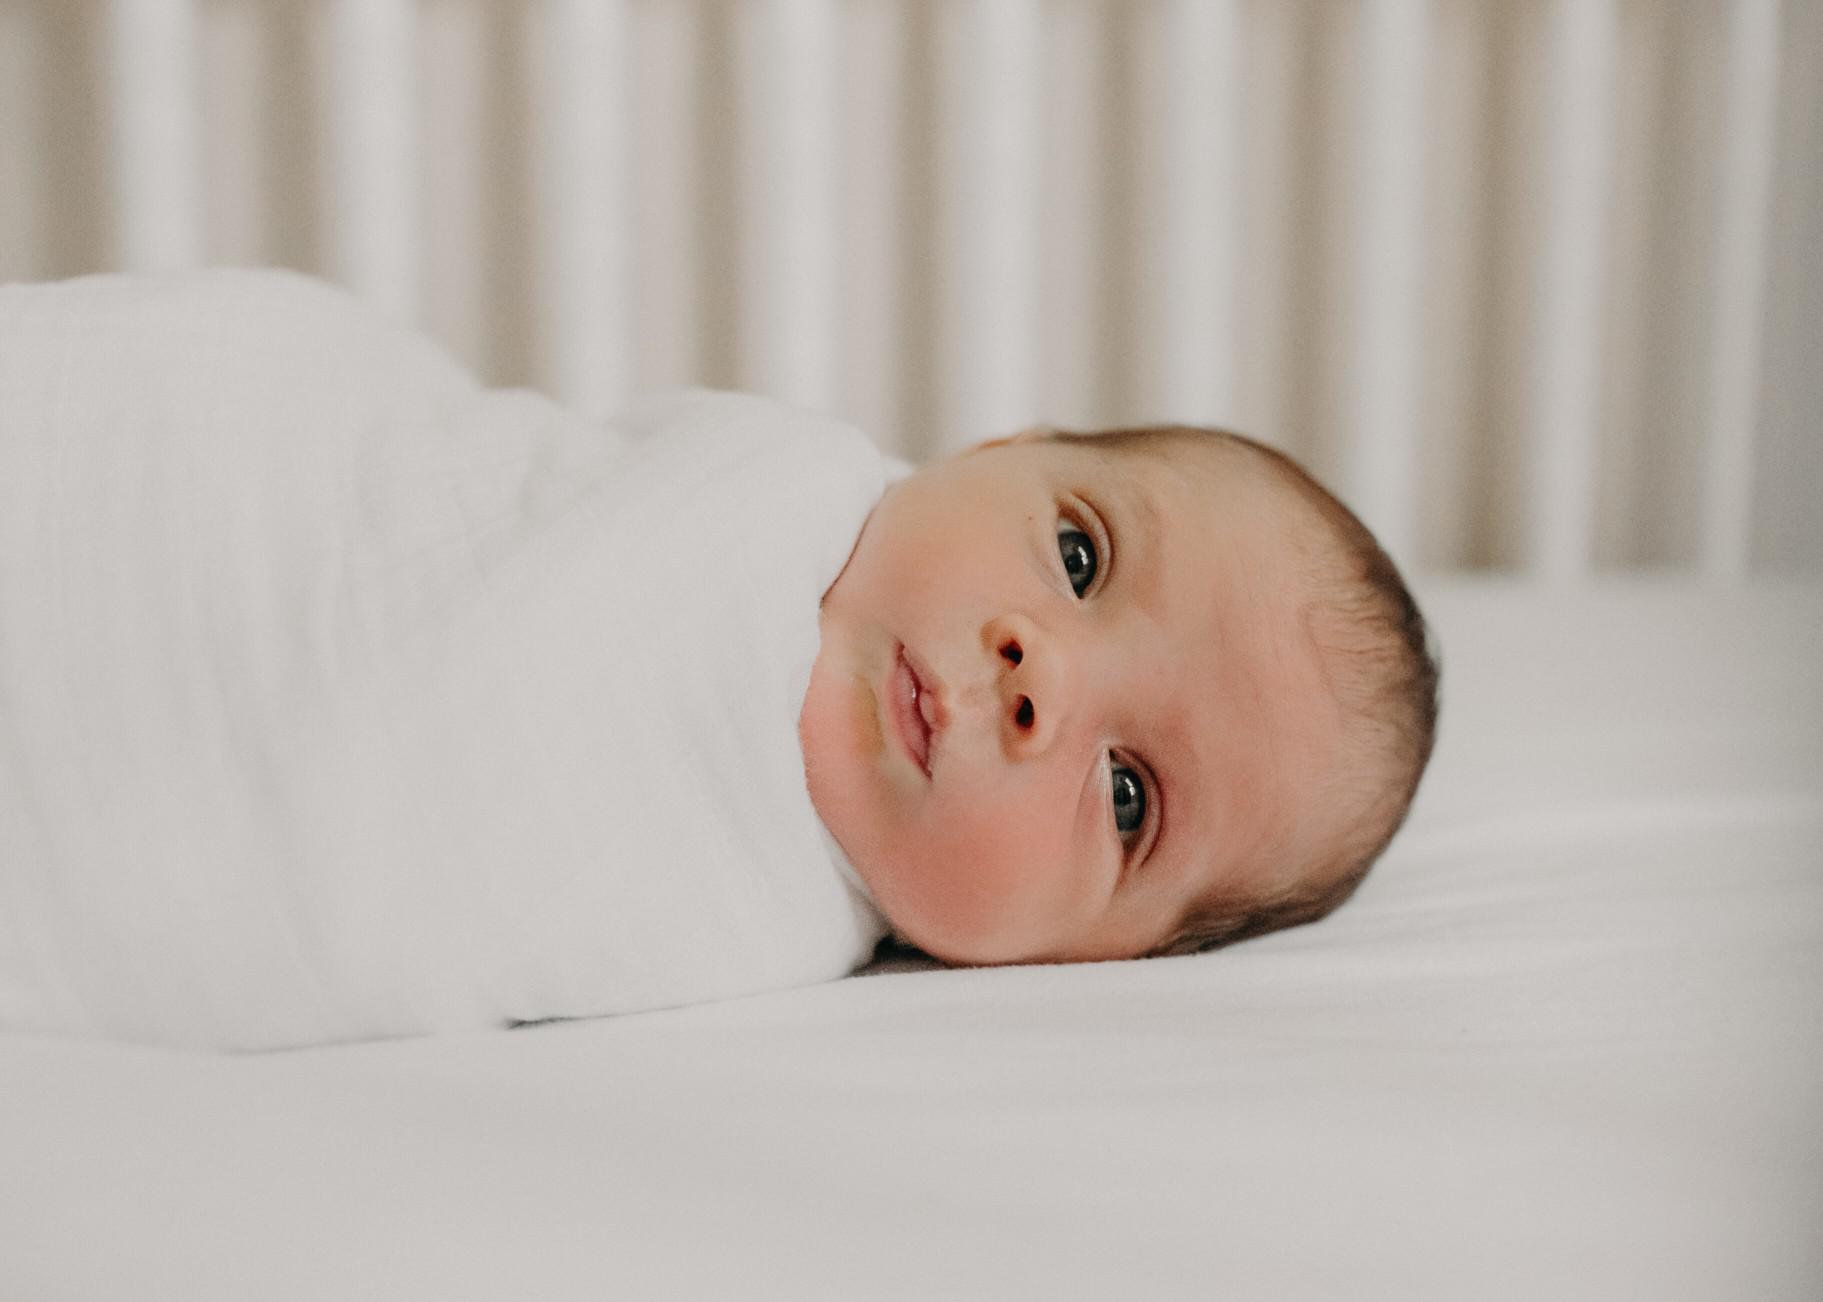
(790, 245)
(152, 47)
(1189, 195)
(1742, 234)
(1567, 344)
(585, 214)
(1380, 476)
(372, 107)
(989, 149)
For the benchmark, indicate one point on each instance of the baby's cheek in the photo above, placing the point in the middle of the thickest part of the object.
(985, 890)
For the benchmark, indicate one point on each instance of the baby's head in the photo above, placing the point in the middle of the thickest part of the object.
(1103, 696)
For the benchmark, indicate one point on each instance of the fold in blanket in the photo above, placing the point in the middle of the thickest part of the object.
(341, 697)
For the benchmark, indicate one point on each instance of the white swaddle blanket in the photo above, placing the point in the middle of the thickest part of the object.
(341, 697)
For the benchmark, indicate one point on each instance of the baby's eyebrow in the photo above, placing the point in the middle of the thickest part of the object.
(1132, 518)
(1145, 514)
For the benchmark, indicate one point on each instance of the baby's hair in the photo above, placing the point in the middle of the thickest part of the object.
(1377, 657)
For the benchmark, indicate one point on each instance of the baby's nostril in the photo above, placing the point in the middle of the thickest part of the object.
(1024, 713)
(1012, 652)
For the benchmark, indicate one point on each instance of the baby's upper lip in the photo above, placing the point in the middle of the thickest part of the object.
(931, 702)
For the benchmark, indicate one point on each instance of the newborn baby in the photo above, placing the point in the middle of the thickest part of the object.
(1103, 696)
(346, 698)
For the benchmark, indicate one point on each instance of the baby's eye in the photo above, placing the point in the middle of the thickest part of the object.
(1129, 800)
(1078, 550)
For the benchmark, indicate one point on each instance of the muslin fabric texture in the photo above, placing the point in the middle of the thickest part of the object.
(342, 697)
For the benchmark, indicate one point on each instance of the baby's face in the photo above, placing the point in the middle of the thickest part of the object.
(1062, 695)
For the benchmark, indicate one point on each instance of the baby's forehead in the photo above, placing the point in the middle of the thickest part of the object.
(1234, 554)
(1241, 523)
(1210, 497)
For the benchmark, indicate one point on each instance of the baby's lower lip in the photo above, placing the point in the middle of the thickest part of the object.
(908, 721)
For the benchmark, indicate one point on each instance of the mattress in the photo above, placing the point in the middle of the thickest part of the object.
(1567, 1041)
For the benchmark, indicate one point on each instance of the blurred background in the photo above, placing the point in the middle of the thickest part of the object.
(1536, 284)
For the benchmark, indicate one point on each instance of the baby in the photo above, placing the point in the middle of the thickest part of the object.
(1089, 697)
(347, 697)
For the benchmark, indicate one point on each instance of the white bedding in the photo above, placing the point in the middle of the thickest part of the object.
(1566, 1043)
(343, 698)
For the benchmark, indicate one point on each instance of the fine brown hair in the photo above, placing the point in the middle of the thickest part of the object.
(1379, 660)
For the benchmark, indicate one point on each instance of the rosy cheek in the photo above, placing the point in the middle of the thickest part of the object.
(988, 880)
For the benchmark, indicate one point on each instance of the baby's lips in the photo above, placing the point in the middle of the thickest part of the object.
(933, 704)
(900, 695)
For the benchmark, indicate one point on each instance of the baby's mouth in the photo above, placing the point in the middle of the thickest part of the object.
(917, 709)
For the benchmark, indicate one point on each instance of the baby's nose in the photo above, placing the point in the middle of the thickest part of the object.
(1032, 693)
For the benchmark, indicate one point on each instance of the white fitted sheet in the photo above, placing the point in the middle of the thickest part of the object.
(1567, 1042)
